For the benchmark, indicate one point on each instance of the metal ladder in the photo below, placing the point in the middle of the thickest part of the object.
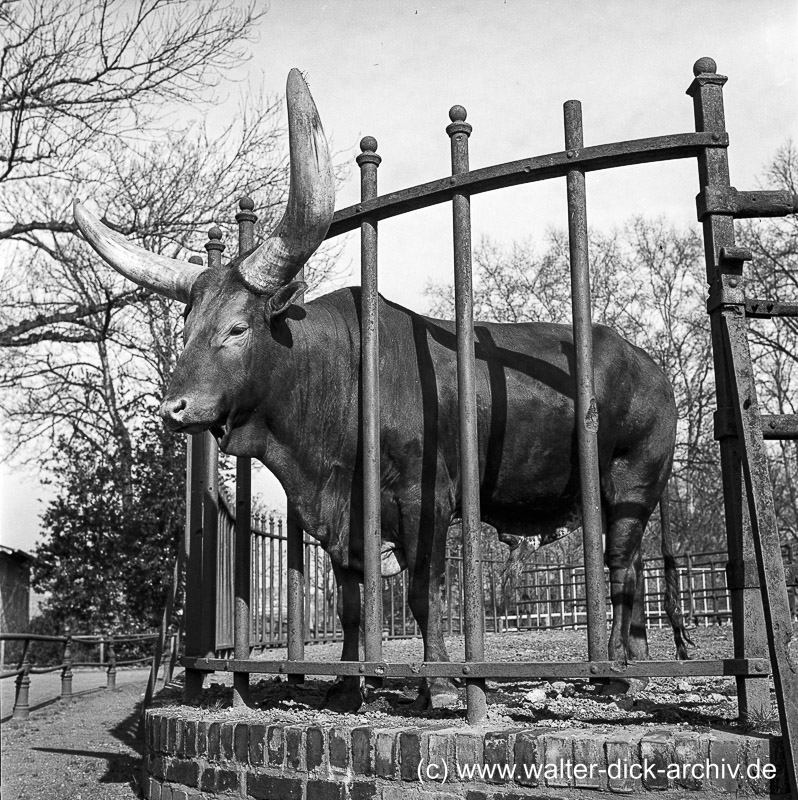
(756, 574)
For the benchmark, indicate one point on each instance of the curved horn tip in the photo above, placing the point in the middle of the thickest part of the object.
(296, 86)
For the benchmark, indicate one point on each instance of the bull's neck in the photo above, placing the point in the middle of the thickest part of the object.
(308, 406)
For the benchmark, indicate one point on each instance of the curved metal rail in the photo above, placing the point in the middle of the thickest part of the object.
(527, 170)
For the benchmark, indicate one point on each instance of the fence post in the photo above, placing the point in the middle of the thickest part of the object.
(21, 700)
(369, 161)
(459, 130)
(242, 551)
(295, 562)
(585, 409)
(66, 672)
(111, 680)
(748, 619)
(210, 500)
(192, 546)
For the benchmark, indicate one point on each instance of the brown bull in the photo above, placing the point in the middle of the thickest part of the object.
(280, 382)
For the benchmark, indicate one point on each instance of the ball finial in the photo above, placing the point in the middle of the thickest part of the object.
(215, 233)
(368, 144)
(705, 65)
(457, 114)
(246, 203)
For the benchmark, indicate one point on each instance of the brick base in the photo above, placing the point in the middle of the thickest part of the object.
(188, 759)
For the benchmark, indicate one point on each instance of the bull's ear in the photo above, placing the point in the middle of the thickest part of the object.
(283, 298)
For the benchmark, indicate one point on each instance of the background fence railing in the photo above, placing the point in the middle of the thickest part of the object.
(543, 594)
(39, 654)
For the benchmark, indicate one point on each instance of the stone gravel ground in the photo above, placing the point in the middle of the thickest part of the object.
(82, 749)
(690, 703)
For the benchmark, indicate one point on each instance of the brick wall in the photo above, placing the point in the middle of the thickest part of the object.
(191, 759)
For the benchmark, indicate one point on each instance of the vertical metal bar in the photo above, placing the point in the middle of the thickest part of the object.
(393, 606)
(192, 545)
(280, 563)
(210, 501)
(449, 591)
(748, 624)
(369, 161)
(296, 586)
(296, 576)
(210, 533)
(459, 131)
(262, 590)
(255, 597)
(306, 615)
(271, 580)
(493, 595)
(587, 421)
(316, 593)
(404, 603)
(242, 557)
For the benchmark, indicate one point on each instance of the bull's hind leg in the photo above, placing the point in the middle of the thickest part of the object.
(345, 695)
(627, 515)
(426, 565)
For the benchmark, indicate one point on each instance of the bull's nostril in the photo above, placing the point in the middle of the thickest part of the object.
(172, 409)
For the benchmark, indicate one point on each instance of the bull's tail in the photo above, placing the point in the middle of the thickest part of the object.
(672, 605)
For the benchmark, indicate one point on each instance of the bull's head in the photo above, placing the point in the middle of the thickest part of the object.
(229, 310)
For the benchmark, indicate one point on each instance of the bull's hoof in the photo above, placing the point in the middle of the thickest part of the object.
(436, 694)
(344, 696)
(627, 686)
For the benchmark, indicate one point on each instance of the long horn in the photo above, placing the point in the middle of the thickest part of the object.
(311, 197)
(166, 276)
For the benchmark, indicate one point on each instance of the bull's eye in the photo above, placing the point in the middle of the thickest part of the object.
(238, 330)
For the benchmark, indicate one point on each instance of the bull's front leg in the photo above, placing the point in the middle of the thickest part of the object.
(346, 694)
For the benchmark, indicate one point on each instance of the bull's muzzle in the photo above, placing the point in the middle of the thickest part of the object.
(172, 412)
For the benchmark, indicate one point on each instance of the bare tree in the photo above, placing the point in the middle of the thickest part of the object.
(74, 75)
(773, 275)
(85, 353)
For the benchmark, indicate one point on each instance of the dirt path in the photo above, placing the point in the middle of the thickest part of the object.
(76, 750)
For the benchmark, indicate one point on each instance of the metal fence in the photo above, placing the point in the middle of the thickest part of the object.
(759, 600)
(545, 595)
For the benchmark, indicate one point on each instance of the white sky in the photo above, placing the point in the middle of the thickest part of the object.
(392, 69)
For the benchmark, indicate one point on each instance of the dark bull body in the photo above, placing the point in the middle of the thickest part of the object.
(280, 382)
(289, 395)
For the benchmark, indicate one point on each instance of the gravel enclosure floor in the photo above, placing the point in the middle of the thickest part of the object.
(692, 703)
(86, 748)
